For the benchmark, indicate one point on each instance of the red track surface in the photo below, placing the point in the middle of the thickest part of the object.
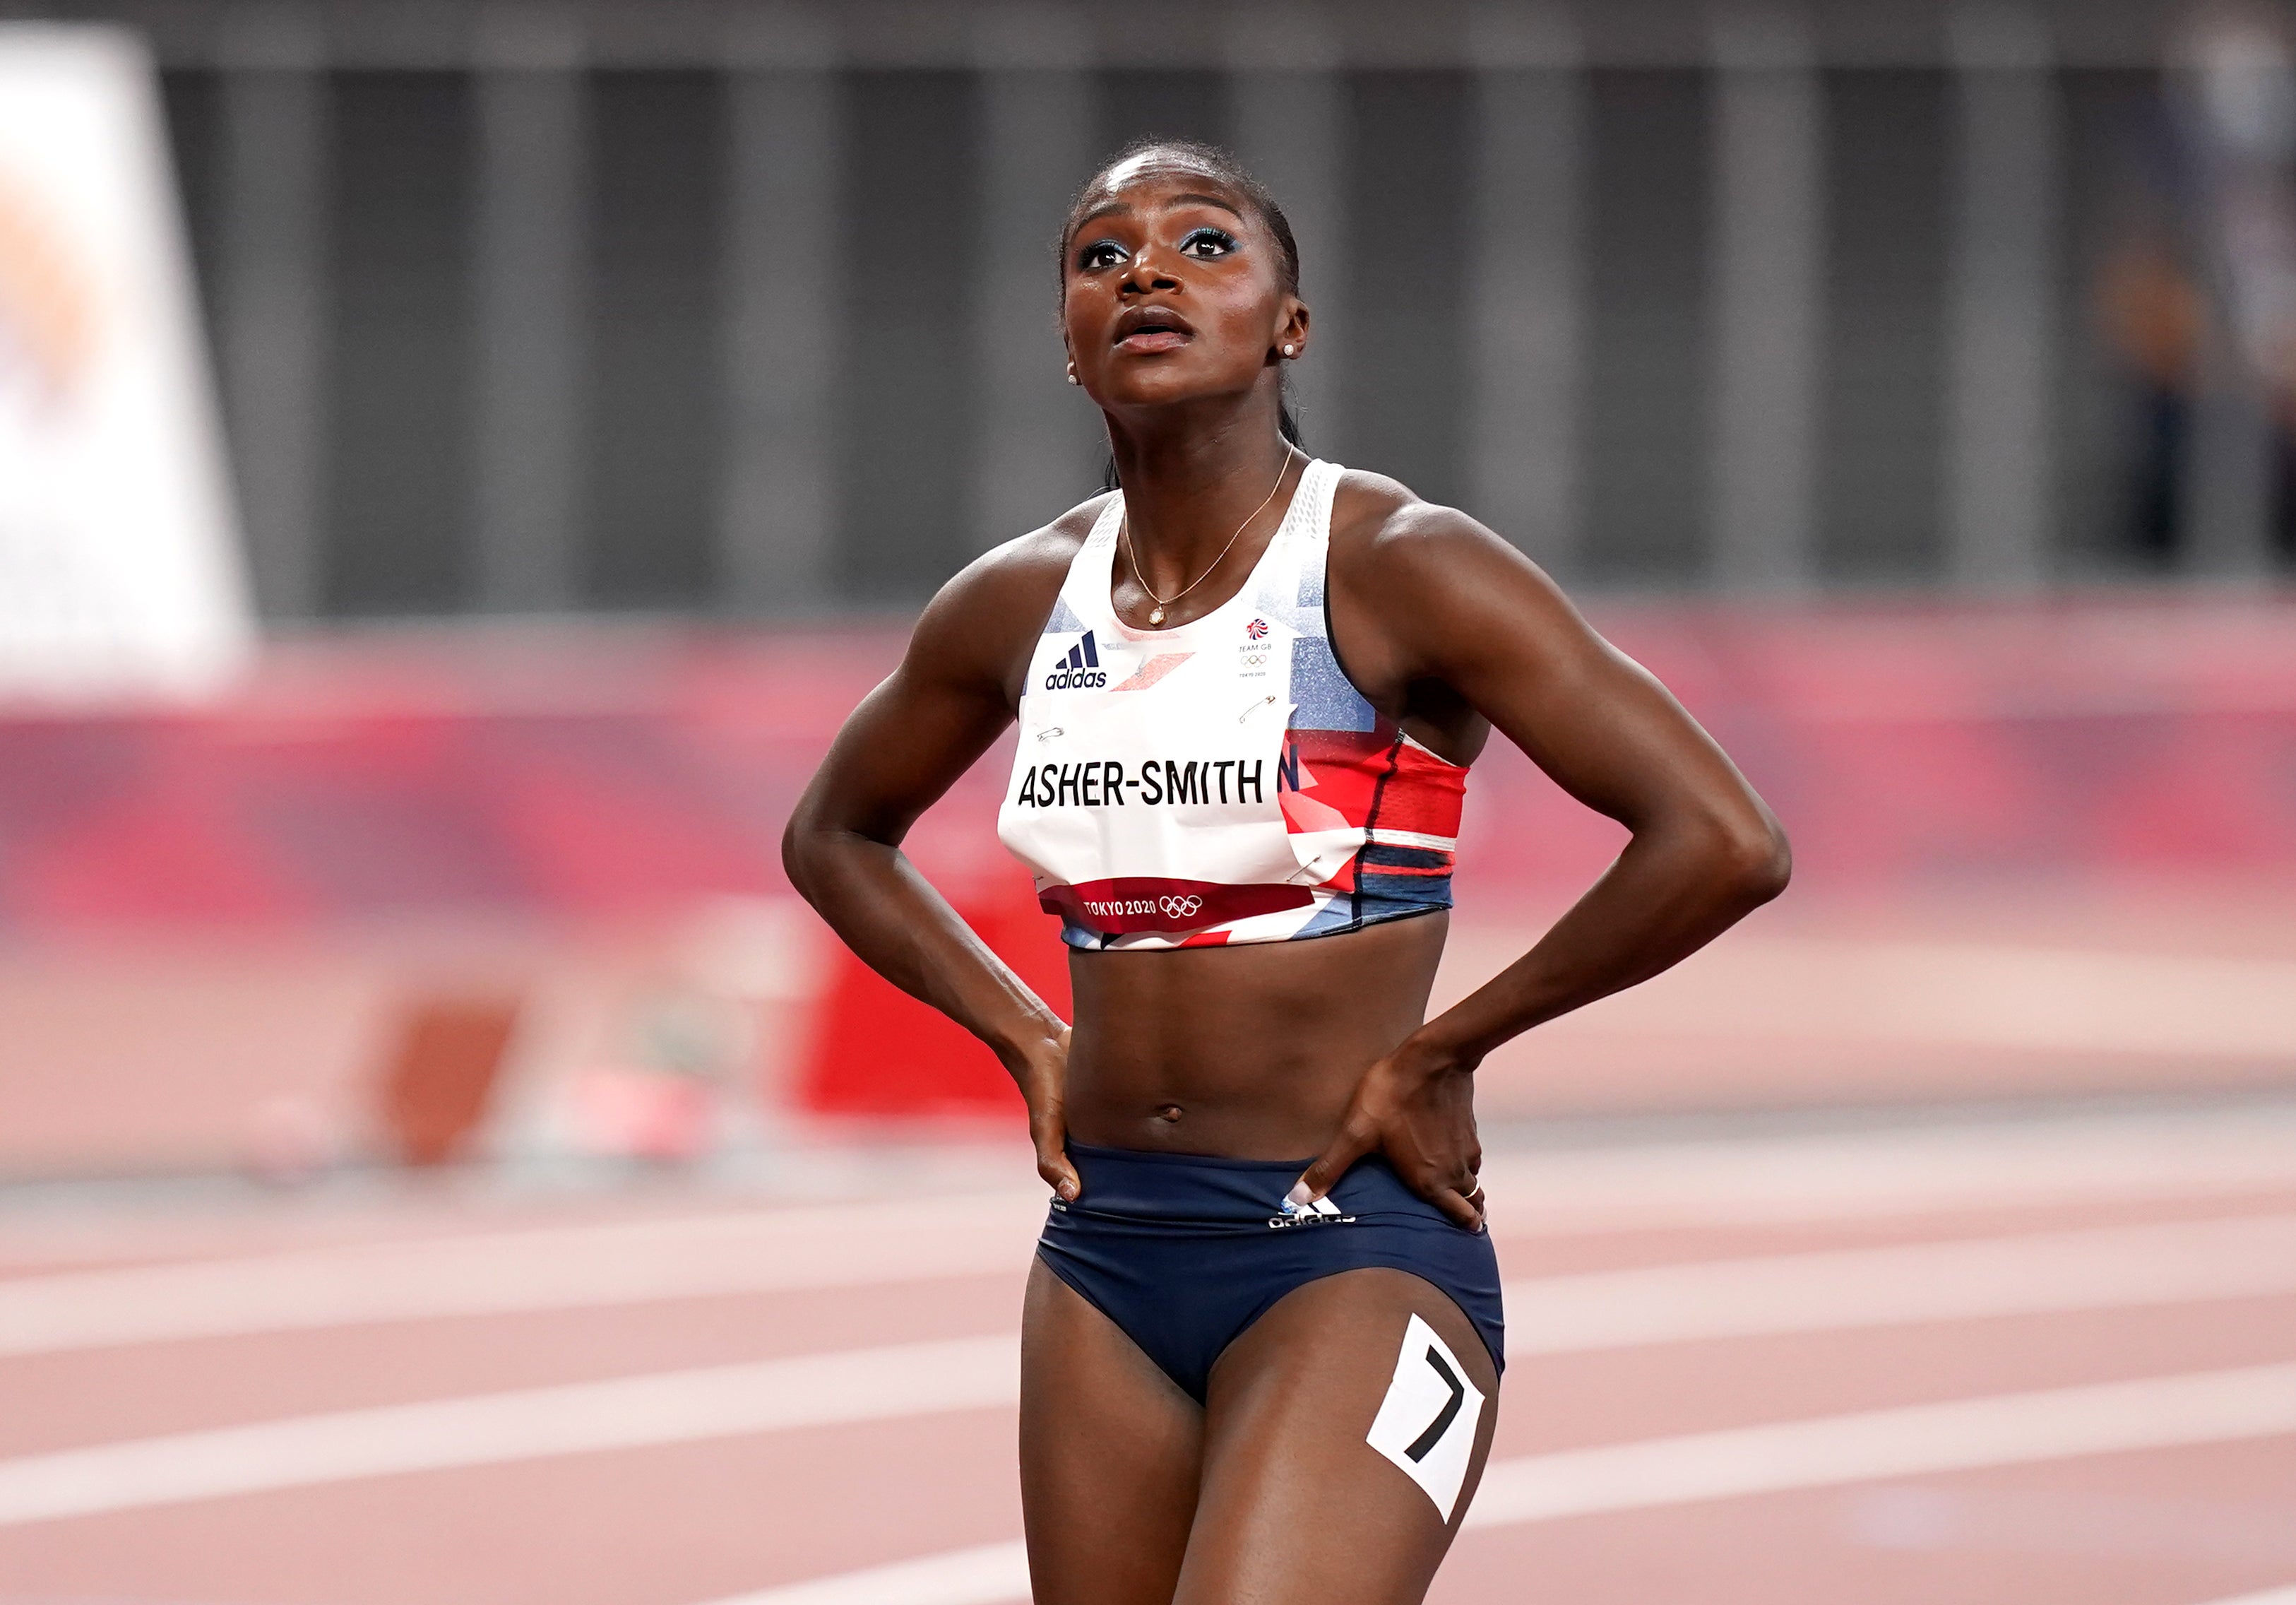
(2044, 855)
(120, 1326)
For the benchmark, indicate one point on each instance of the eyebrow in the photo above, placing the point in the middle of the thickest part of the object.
(1114, 207)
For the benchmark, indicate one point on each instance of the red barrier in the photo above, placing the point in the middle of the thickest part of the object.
(878, 1051)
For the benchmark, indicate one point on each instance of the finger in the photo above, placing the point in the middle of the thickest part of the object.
(1464, 1211)
(1353, 1142)
(1059, 1175)
(1049, 1130)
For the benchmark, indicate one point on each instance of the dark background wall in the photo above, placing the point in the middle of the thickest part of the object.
(905, 395)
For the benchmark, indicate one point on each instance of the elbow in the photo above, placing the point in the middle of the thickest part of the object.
(818, 853)
(799, 856)
(1754, 860)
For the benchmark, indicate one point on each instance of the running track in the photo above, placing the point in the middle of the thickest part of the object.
(2022, 1360)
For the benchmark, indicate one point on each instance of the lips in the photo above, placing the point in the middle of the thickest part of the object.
(1152, 329)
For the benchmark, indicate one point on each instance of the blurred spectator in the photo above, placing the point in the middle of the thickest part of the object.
(2238, 111)
(2152, 315)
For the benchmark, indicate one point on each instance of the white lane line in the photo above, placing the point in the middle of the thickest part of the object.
(994, 1574)
(2270, 1596)
(2166, 1262)
(629, 1412)
(2058, 1271)
(1965, 1434)
(1961, 1435)
(511, 1272)
(1838, 1177)
(1874, 1175)
(2112, 1267)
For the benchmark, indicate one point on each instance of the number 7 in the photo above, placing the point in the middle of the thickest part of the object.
(1424, 1444)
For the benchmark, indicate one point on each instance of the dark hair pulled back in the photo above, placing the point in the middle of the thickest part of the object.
(1223, 166)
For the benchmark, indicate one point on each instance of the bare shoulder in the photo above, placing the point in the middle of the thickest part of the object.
(1017, 574)
(984, 620)
(1429, 593)
(1384, 536)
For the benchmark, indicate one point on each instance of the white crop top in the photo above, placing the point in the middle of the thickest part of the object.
(1221, 781)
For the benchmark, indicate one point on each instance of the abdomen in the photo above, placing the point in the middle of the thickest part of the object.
(1256, 1048)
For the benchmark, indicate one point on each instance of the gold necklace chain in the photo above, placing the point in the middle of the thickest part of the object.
(1124, 539)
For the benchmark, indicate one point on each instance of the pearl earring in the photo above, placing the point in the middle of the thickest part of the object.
(1072, 377)
(1288, 351)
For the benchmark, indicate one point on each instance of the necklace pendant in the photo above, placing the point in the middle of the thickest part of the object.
(1155, 615)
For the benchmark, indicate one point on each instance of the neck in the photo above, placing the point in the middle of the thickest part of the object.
(1192, 474)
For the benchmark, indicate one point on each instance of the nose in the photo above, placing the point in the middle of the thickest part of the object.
(1146, 274)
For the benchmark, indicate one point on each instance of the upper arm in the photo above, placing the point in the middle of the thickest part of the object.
(952, 694)
(1461, 606)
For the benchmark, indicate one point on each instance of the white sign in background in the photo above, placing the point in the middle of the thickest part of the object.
(120, 567)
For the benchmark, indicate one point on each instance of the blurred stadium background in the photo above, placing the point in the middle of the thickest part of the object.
(407, 1038)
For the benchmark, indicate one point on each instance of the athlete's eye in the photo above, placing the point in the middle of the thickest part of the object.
(1098, 255)
(1207, 242)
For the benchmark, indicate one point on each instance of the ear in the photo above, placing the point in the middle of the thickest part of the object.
(1290, 342)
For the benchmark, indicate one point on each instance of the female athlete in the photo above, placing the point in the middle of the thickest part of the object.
(1261, 1342)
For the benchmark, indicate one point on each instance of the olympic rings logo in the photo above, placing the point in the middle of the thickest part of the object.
(1180, 906)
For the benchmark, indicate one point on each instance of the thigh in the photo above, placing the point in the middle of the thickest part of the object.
(1109, 1450)
(1296, 1504)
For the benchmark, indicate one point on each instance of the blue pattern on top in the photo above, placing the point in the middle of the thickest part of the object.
(1325, 698)
(1311, 590)
(1063, 620)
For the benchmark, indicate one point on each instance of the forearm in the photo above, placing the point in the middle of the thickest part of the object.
(1670, 893)
(899, 925)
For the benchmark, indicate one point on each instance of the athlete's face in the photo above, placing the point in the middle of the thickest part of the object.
(1173, 289)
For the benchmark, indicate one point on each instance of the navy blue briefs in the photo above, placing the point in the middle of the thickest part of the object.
(1185, 1252)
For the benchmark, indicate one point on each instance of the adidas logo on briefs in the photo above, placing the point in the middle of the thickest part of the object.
(1310, 1214)
(1080, 671)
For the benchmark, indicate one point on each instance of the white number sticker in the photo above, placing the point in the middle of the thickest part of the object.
(1426, 1425)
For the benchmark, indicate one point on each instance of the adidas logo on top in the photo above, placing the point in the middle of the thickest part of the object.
(1080, 671)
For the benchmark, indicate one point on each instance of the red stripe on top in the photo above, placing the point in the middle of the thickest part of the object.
(1371, 777)
(1128, 904)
